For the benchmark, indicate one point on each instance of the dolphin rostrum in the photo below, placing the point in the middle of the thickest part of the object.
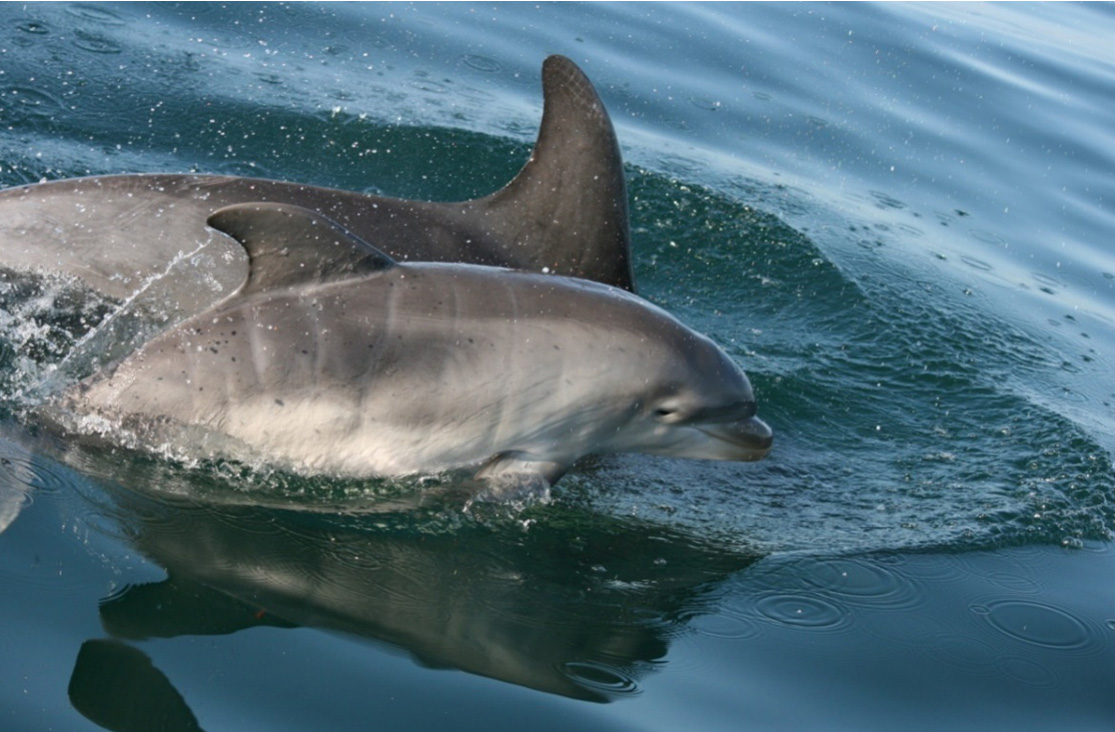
(126, 236)
(335, 358)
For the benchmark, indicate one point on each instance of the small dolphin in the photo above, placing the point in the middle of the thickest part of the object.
(144, 235)
(335, 358)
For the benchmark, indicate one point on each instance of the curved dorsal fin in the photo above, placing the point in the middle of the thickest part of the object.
(567, 207)
(289, 245)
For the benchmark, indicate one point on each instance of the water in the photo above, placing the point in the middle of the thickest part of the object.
(897, 218)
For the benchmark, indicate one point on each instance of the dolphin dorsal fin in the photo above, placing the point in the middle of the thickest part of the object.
(566, 210)
(289, 245)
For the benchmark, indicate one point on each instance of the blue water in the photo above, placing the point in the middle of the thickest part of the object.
(897, 218)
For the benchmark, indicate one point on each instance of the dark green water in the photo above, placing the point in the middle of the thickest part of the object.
(897, 219)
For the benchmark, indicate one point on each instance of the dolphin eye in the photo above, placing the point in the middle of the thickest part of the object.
(667, 413)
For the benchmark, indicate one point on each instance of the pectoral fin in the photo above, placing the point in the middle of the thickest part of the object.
(518, 474)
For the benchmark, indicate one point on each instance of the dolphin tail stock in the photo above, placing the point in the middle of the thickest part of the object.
(567, 207)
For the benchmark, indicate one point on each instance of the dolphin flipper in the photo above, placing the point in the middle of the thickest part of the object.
(519, 468)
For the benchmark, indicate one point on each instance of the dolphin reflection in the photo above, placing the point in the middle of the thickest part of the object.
(577, 605)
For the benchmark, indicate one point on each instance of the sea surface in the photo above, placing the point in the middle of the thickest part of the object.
(899, 219)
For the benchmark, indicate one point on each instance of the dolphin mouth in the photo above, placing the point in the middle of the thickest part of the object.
(745, 439)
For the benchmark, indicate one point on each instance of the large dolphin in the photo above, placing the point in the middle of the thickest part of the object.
(144, 236)
(335, 358)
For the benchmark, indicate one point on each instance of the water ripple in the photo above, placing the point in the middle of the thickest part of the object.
(802, 611)
(946, 645)
(1029, 672)
(28, 103)
(429, 85)
(863, 582)
(1039, 624)
(96, 43)
(481, 63)
(23, 473)
(32, 26)
(1014, 582)
(975, 263)
(728, 627)
(95, 13)
(600, 677)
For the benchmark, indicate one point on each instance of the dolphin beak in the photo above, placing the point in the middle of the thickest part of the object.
(745, 439)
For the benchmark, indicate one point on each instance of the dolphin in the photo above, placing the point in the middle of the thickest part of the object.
(335, 358)
(144, 236)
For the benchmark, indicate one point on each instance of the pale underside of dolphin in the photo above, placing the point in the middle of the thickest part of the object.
(333, 358)
(129, 236)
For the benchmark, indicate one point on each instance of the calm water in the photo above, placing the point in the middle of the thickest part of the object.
(899, 219)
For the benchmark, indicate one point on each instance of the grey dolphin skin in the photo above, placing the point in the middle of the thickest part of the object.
(334, 358)
(125, 235)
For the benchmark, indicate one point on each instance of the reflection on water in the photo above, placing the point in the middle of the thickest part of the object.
(555, 600)
(109, 679)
